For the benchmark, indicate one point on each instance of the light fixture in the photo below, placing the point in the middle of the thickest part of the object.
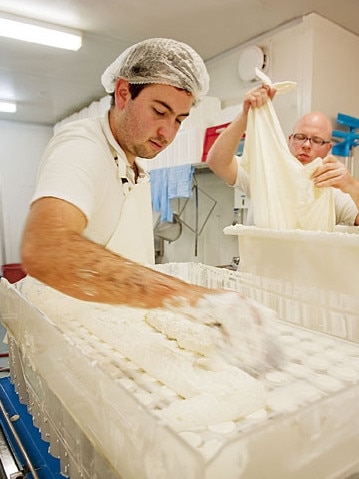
(7, 107)
(37, 32)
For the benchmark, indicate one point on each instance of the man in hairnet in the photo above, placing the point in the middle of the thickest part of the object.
(90, 223)
(89, 232)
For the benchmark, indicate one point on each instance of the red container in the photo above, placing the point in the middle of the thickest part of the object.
(212, 133)
(13, 272)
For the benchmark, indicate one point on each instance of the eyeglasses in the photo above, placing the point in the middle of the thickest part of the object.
(314, 140)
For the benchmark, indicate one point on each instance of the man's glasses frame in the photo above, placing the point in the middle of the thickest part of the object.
(314, 140)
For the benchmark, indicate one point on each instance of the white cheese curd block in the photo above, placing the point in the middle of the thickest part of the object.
(211, 390)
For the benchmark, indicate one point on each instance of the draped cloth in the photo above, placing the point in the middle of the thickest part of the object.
(283, 194)
(170, 183)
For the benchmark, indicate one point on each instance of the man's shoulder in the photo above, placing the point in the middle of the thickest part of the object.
(78, 138)
(86, 127)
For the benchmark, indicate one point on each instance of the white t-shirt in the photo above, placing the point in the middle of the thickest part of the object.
(345, 208)
(78, 166)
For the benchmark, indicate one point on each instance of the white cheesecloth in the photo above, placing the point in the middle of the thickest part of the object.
(282, 191)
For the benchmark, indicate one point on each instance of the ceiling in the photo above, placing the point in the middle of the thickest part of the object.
(50, 84)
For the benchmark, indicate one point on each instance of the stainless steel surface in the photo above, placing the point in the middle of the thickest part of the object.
(19, 443)
(8, 463)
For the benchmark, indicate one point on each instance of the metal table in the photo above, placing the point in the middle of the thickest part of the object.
(23, 454)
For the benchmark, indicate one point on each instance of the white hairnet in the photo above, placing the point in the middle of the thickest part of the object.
(160, 60)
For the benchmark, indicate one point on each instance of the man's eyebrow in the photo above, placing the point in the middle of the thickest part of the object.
(169, 108)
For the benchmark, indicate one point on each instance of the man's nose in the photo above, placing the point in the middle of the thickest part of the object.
(167, 131)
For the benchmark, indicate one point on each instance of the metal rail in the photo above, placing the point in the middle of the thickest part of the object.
(18, 442)
(9, 468)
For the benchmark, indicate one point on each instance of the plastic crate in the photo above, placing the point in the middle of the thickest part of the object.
(95, 408)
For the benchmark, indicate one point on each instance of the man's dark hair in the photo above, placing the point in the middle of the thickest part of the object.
(135, 90)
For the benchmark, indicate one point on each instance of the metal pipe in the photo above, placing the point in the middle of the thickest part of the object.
(2, 231)
(9, 465)
(196, 229)
(18, 441)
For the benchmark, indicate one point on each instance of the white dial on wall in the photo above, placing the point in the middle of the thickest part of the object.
(250, 58)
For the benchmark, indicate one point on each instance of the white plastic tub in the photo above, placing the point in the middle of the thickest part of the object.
(329, 261)
(99, 411)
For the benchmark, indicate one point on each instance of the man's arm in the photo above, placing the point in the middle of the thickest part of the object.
(334, 173)
(55, 252)
(221, 156)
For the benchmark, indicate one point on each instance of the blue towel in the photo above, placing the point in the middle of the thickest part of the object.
(169, 183)
(180, 181)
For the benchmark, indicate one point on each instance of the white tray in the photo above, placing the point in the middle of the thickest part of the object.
(100, 414)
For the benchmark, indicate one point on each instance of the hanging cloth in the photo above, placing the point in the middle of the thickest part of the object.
(283, 194)
(169, 183)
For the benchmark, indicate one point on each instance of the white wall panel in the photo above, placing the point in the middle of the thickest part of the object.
(21, 149)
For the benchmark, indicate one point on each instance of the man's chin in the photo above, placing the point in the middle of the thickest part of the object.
(304, 159)
(146, 155)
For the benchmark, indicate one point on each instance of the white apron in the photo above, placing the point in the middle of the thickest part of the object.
(133, 235)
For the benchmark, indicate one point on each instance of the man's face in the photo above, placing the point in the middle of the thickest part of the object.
(146, 125)
(305, 141)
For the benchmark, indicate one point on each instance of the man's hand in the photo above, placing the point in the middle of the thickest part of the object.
(257, 97)
(333, 173)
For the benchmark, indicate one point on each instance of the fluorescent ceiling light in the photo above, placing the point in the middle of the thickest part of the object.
(7, 107)
(42, 33)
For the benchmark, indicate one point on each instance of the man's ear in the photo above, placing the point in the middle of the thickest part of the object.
(329, 148)
(122, 93)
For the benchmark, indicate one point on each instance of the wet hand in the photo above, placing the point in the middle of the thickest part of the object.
(332, 173)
